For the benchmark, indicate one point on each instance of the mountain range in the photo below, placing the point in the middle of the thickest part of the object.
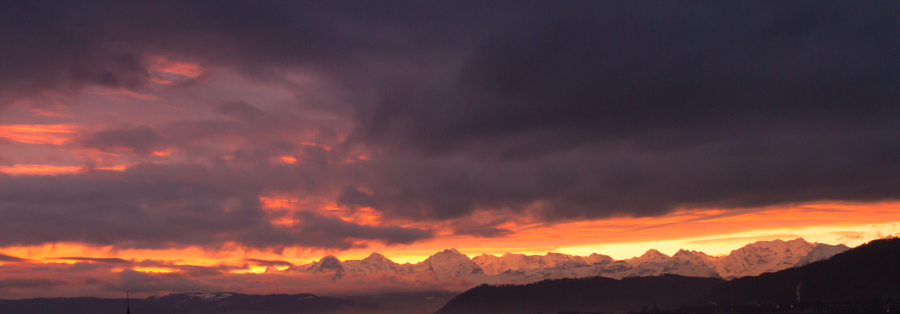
(751, 260)
(861, 280)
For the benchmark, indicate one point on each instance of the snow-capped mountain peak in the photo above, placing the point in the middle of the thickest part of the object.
(595, 258)
(376, 258)
(448, 263)
(696, 257)
(271, 269)
(821, 252)
(205, 296)
(750, 260)
(763, 256)
(329, 261)
(651, 256)
(513, 262)
(327, 264)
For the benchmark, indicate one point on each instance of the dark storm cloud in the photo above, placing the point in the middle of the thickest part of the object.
(248, 123)
(154, 206)
(243, 111)
(48, 47)
(354, 198)
(641, 109)
(264, 262)
(848, 162)
(7, 258)
(481, 230)
(570, 110)
(330, 230)
(107, 260)
(66, 45)
(206, 271)
(574, 75)
(4, 160)
(259, 135)
(141, 140)
(93, 264)
(135, 281)
(29, 283)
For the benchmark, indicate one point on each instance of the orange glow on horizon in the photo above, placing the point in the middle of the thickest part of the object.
(278, 202)
(252, 270)
(17, 170)
(712, 231)
(162, 153)
(48, 170)
(288, 159)
(113, 168)
(152, 270)
(55, 134)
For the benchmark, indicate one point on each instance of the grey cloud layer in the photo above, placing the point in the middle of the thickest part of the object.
(850, 163)
(156, 206)
(568, 110)
(7, 258)
(29, 283)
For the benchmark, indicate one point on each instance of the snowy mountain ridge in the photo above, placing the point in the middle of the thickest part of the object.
(751, 260)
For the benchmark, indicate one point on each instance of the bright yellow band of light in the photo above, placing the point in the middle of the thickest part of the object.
(711, 231)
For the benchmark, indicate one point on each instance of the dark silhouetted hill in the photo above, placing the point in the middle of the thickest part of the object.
(192, 303)
(596, 294)
(420, 302)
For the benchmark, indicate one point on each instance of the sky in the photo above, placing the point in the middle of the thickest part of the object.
(185, 146)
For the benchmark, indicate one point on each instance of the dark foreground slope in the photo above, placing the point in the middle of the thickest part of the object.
(596, 294)
(421, 302)
(861, 275)
(230, 303)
